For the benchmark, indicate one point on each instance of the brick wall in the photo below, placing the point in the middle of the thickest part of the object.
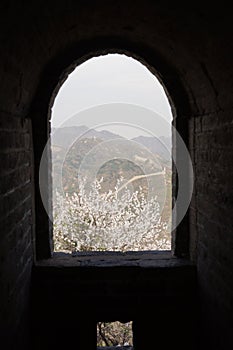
(211, 222)
(16, 228)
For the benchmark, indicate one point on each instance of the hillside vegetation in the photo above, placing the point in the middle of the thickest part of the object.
(92, 155)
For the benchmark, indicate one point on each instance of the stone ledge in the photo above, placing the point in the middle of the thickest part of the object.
(145, 259)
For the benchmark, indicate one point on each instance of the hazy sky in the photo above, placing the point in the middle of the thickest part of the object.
(112, 78)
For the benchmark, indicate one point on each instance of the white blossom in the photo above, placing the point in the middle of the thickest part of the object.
(112, 221)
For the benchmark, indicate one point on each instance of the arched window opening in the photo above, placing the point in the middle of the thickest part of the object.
(111, 159)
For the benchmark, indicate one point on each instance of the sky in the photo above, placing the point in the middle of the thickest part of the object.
(113, 79)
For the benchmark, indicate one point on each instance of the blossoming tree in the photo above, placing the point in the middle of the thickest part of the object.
(117, 220)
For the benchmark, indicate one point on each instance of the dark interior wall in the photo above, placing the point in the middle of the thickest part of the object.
(160, 299)
(16, 193)
(213, 199)
(190, 47)
(16, 187)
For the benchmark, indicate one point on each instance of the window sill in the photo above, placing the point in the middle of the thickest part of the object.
(144, 259)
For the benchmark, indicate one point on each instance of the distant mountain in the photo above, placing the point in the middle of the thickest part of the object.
(160, 146)
(167, 141)
(78, 146)
(66, 136)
